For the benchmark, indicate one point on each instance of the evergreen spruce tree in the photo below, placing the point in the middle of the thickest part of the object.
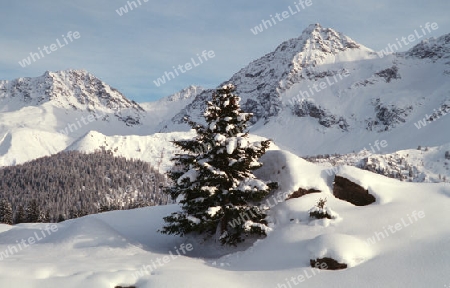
(20, 215)
(73, 213)
(6, 214)
(213, 178)
(103, 208)
(44, 217)
(32, 212)
(2, 209)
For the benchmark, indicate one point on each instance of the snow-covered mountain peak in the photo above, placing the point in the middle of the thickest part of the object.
(316, 37)
(69, 89)
(261, 83)
(315, 44)
(318, 46)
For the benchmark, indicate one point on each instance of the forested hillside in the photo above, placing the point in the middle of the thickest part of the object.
(72, 184)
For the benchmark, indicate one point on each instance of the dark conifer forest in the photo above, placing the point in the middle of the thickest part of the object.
(71, 184)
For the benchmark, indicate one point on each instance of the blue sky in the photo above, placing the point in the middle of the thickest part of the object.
(130, 51)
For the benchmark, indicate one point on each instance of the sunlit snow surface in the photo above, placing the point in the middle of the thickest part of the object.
(124, 247)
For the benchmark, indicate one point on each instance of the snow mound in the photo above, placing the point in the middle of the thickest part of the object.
(291, 172)
(90, 232)
(342, 248)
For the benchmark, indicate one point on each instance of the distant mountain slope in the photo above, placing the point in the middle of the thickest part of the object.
(424, 164)
(167, 107)
(156, 149)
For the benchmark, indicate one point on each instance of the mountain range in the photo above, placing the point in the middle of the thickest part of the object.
(319, 93)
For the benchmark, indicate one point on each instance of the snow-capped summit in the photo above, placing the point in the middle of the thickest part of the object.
(316, 43)
(260, 83)
(318, 46)
(68, 89)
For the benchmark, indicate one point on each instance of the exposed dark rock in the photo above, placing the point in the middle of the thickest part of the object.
(387, 116)
(389, 73)
(130, 121)
(326, 119)
(301, 192)
(349, 191)
(327, 264)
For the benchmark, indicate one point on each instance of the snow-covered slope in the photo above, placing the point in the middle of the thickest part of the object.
(156, 149)
(324, 93)
(401, 240)
(167, 107)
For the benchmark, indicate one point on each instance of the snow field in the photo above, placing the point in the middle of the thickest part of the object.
(123, 247)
